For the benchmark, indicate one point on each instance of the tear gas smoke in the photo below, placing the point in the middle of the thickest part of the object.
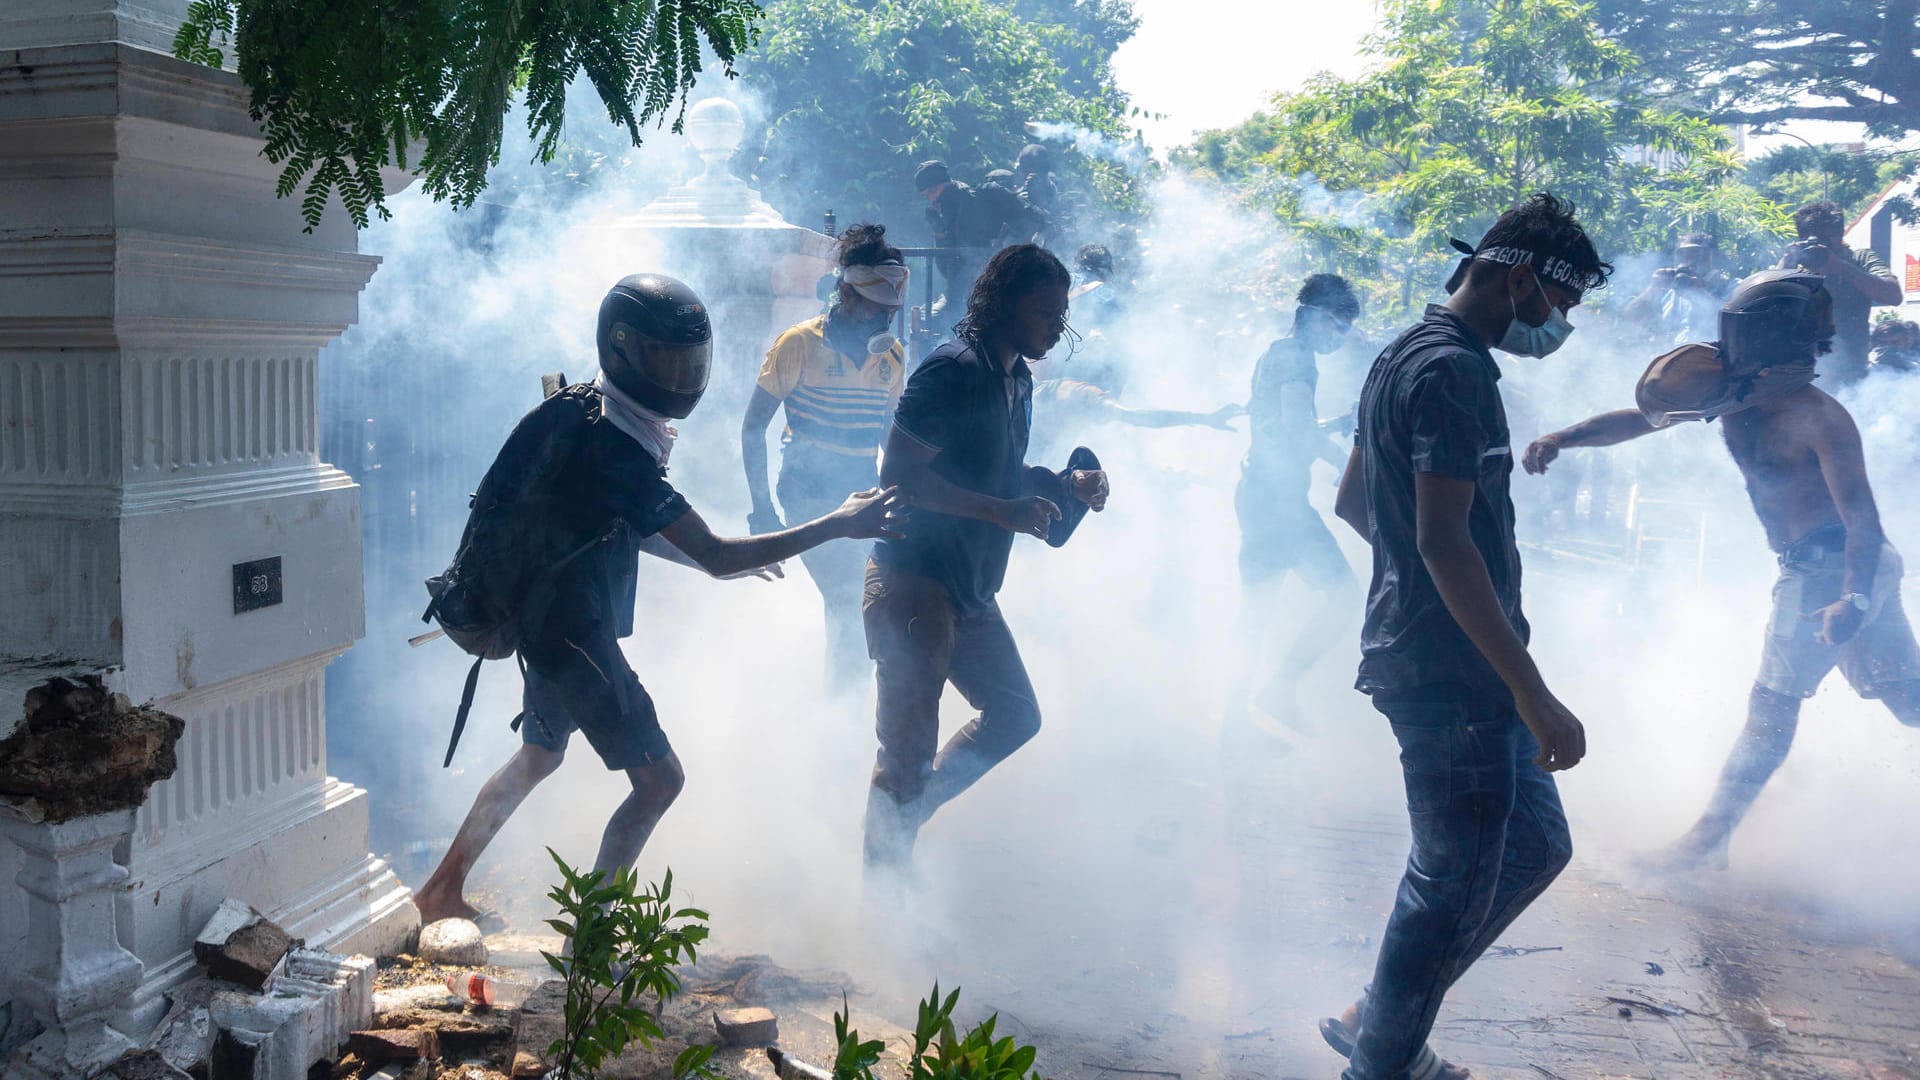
(1123, 864)
(1132, 154)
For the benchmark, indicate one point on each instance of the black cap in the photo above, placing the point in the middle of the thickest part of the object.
(930, 174)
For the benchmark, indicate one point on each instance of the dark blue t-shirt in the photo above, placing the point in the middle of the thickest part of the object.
(1280, 461)
(611, 481)
(1432, 404)
(975, 416)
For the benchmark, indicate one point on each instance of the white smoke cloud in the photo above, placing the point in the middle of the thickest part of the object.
(1121, 862)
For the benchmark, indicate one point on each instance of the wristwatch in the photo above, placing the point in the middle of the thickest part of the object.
(1860, 601)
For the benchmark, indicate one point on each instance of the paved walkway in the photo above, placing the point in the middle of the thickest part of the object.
(1602, 978)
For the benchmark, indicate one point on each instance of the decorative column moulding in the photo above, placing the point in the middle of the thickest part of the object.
(57, 419)
(113, 79)
(258, 740)
(149, 24)
(161, 319)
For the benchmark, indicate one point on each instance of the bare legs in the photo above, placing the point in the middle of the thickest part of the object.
(499, 797)
(655, 786)
(1772, 719)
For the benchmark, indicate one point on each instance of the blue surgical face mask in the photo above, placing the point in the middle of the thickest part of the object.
(1535, 341)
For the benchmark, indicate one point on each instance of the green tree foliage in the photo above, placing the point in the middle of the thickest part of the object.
(1473, 105)
(859, 91)
(1082, 35)
(1796, 175)
(1761, 61)
(347, 87)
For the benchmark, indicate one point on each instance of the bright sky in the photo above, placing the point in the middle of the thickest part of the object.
(1211, 63)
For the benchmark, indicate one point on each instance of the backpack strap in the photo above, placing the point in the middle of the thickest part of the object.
(545, 584)
(466, 705)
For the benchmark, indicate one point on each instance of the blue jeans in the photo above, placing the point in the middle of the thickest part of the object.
(1488, 837)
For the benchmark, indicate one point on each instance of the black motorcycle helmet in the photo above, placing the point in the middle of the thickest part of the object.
(655, 343)
(1776, 318)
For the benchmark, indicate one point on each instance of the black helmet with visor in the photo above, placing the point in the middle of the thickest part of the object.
(655, 343)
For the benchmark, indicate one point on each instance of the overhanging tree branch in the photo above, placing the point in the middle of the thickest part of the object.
(347, 87)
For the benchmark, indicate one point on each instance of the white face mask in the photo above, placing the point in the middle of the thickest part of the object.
(1535, 341)
(882, 342)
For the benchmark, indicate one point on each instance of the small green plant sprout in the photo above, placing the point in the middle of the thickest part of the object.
(940, 1054)
(855, 1059)
(939, 1051)
(623, 942)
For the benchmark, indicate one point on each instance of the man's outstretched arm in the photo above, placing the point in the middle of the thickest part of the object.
(1607, 429)
(1441, 505)
(865, 515)
(1166, 418)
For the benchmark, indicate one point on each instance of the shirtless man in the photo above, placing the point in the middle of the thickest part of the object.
(1837, 602)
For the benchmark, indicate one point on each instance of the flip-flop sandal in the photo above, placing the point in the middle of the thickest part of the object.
(1427, 1065)
(491, 922)
(1338, 1035)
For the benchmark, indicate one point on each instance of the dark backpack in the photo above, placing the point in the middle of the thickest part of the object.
(501, 583)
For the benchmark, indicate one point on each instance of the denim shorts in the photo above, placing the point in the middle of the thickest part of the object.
(1882, 654)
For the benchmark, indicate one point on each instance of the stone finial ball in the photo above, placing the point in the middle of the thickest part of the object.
(453, 942)
(715, 125)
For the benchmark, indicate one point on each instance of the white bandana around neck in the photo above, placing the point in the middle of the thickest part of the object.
(882, 284)
(648, 428)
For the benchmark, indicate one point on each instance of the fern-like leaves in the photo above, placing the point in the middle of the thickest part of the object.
(346, 88)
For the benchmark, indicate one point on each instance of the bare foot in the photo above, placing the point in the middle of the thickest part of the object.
(436, 904)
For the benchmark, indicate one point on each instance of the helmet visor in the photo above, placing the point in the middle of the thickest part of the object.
(677, 369)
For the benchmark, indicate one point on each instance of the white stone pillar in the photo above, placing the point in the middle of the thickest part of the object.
(74, 971)
(161, 317)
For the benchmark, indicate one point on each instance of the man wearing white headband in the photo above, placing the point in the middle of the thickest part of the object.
(839, 376)
(1444, 649)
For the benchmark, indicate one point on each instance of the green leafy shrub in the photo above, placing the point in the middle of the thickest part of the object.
(623, 944)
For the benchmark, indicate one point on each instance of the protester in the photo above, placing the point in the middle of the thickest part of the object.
(957, 452)
(1280, 532)
(1837, 600)
(609, 500)
(1096, 295)
(1444, 648)
(1682, 303)
(1858, 281)
(1896, 345)
(838, 375)
(1023, 222)
(970, 227)
(1033, 173)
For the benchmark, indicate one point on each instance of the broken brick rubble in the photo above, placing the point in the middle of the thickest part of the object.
(80, 750)
(240, 945)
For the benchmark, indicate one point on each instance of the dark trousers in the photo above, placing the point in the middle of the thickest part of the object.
(919, 644)
(1488, 837)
